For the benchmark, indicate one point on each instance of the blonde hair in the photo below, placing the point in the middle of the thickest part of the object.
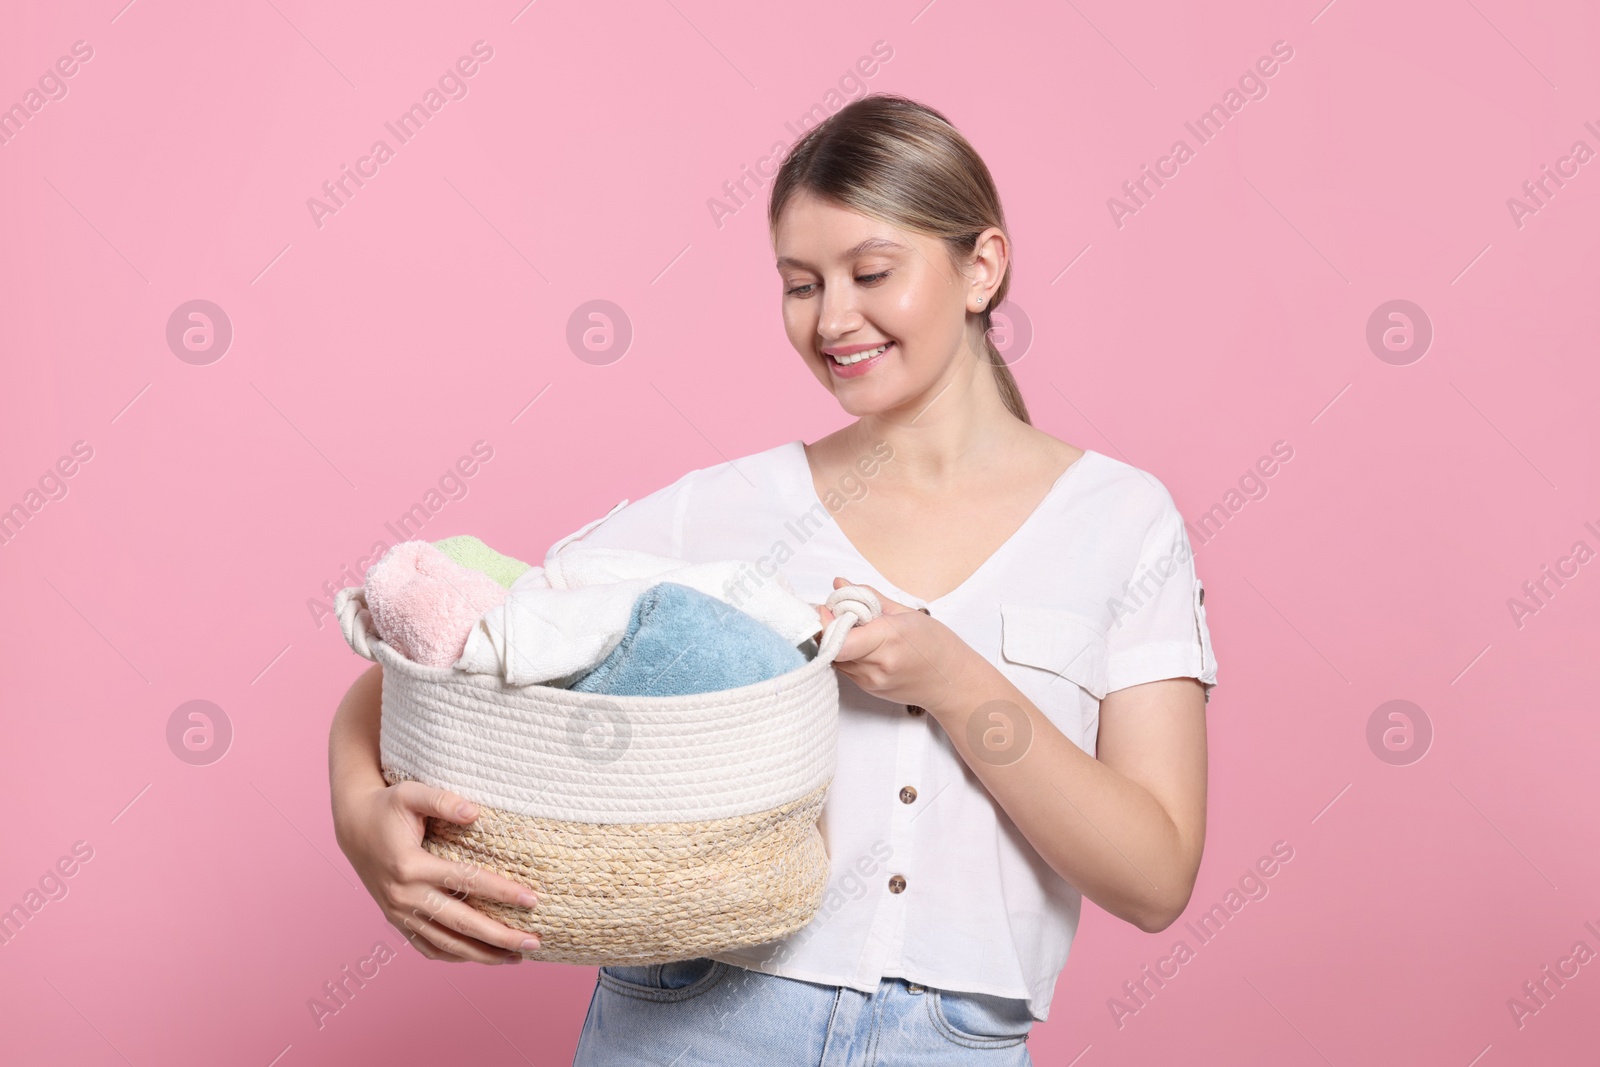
(891, 158)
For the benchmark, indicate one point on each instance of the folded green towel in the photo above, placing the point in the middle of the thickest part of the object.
(473, 553)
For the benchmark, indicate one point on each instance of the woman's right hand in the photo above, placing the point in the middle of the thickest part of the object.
(381, 831)
(380, 828)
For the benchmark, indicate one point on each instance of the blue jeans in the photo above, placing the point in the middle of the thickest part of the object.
(704, 1013)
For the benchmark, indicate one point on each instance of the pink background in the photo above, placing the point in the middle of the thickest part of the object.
(1229, 313)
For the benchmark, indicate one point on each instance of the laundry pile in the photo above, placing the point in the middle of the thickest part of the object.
(597, 620)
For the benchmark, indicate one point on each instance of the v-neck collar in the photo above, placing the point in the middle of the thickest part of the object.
(808, 492)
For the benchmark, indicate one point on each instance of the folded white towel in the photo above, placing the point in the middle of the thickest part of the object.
(560, 620)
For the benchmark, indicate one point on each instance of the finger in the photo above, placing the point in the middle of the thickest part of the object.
(865, 640)
(453, 912)
(473, 924)
(859, 642)
(451, 944)
(440, 803)
(463, 878)
(450, 806)
(423, 945)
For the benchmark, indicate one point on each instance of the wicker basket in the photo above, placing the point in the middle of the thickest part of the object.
(653, 829)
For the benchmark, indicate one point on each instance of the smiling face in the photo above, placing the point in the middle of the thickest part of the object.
(853, 284)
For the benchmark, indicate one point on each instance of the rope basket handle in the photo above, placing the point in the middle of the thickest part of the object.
(355, 621)
(852, 605)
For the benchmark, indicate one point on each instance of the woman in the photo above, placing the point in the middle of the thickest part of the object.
(1024, 726)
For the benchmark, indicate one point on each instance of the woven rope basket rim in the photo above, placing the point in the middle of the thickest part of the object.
(392, 660)
(852, 605)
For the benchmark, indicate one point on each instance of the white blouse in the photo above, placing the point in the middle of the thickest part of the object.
(931, 881)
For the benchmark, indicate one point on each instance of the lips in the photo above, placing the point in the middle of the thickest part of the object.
(852, 354)
(852, 361)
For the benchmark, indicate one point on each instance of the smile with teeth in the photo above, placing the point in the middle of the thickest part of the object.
(846, 361)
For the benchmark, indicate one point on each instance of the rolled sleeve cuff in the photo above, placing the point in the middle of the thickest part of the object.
(1157, 660)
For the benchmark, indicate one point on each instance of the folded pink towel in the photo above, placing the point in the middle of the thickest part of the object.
(424, 604)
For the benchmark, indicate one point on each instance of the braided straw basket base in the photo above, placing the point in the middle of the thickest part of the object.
(619, 894)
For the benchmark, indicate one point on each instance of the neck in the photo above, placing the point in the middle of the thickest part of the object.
(958, 427)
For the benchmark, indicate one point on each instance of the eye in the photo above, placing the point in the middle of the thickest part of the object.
(862, 279)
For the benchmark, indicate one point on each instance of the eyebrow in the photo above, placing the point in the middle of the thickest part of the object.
(871, 244)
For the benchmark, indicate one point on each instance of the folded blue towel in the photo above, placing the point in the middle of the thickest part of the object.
(680, 640)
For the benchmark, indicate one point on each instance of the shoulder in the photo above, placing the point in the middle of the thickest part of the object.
(758, 475)
(756, 472)
(1115, 485)
(703, 497)
(1128, 495)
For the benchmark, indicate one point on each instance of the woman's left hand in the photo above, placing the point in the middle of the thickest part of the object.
(903, 656)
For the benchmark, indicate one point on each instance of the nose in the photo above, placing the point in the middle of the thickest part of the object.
(838, 316)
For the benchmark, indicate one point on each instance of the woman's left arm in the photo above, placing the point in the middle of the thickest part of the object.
(1125, 829)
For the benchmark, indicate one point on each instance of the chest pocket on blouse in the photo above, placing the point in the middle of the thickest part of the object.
(1064, 659)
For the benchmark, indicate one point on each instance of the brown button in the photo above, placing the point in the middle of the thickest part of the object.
(915, 988)
(897, 884)
(913, 709)
(908, 794)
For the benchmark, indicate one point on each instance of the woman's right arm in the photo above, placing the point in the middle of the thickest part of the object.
(380, 829)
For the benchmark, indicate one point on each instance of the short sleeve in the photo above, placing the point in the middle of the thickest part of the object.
(652, 524)
(1158, 628)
